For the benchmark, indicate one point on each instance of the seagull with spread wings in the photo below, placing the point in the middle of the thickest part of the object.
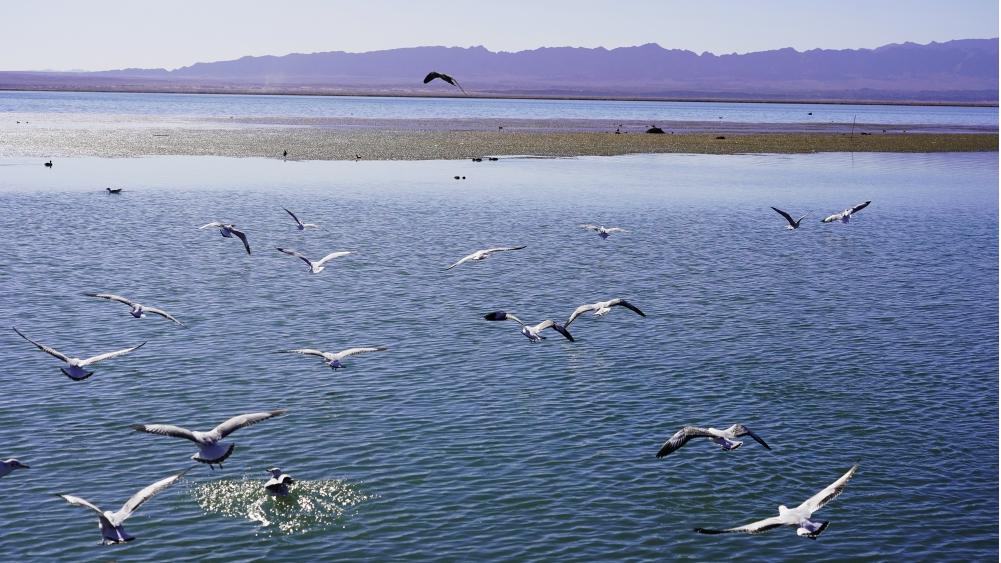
(299, 224)
(602, 308)
(75, 366)
(532, 332)
(603, 231)
(793, 223)
(138, 309)
(211, 449)
(317, 266)
(332, 359)
(484, 254)
(228, 230)
(846, 215)
(726, 439)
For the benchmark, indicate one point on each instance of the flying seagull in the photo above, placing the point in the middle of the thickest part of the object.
(112, 529)
(114, 191)
(601, 309)
(484, 254)
(798, 517)
(211, 449)
(433, 74)
(228, 230)
(278, 483)
(8, 465)
(845, 215)
(603, 231)
(299, 224)
(726, 439)
(315, 267)
(793, 224)
(138, 309)
(333, 360)
(530, 332)
(75, 366)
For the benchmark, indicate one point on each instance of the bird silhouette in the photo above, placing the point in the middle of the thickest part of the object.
(434, 74)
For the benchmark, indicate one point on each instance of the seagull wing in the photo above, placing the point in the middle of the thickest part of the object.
(308, 352)
(431, 76)
(162, 313)
(242, 236)
(590, 227)
(455, 83)
(502, 316)
(615, 230)
(44, 348)
(831, 492)
(238, 422)
(627, 305)
(77, 501)
(741, 430)
(297, 255)
(212, 224)
(297, 221)
(109, 355)
(144, 495)
(502, 249)
(786, 215)
(681, 437)
(464, 259)
(578, 312)
(832, 218)
(331, 256)
(353, 351)
(166, 430)
(111, 297)
(752, 528)
(859, 207)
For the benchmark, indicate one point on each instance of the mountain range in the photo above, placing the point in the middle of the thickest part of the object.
(960, 71)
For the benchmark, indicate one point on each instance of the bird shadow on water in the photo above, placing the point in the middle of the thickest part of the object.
(309, 506)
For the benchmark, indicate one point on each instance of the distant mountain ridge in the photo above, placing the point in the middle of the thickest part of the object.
(960, 70)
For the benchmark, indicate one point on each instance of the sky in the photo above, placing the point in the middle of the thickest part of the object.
(112, 34)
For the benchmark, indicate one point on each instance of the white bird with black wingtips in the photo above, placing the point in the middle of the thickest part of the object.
(603, 231)
(725, 439)
(846, 215)
(532, 332)
(602, 308)
(138, 309)
(229, 230)
(333, 359)
(211, 449)
(484, 254)
(798, 517)
(299, 224)
(317, 266)
(75, 366)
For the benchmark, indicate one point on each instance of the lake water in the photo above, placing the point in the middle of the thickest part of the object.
(875, 342)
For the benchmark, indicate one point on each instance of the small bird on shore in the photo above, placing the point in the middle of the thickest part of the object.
(603, 231)
(114, 191)
(531, 332)
(75, 366)
(333, 359)
(211, 449)
(484, 254)
(285, 153)
(11, 464)
(798, 517)
(228, 230)
(111, 523)
(602, 308)
(319, 265)
(299, 224)
(278, 483)
(846, 215)
(138, 309)
(725, 439)
(793, 224)
(434, 74)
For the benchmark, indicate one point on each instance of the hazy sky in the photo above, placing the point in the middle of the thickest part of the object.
(108, 34)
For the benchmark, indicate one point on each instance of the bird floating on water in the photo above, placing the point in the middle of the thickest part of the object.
(299, 224)
(75, 366)
(228, 230)
(211, 449)
(845, 215)
(333, 359)
(484, 254)
(793, 224)
(726, 439)
(112, 530)
(603, 231)
(8, 465)
(49, 164)
(317, 266)
(532, 332)
(798, 517)
(278, 483)
(433, 74)
(114, 191)
(602, 308)
(138, 309)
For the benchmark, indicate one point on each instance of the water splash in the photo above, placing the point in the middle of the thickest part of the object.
(310, 505)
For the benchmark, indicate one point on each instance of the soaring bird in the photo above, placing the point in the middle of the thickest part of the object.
(299, 224)
(793, 224)
(112, 530)
(333, 360)
(433, 74)
(138, 309)
(531, 332)
(278, 483)
(211, 449)
(8, 465)
(315, 267)
(603, 231)
(845, 215)
(228, 230)
(484, 254)
(798, 517)
(75, 366)
(726, 439)
(602, 308)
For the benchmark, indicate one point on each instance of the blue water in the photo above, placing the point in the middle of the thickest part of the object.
(246, 106)
(874, 342)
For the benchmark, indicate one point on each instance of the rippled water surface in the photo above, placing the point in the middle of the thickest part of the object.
(875, 342)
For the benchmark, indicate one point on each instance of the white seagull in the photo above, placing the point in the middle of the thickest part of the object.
(278, 483)
(845, 215)
(726, 439)
(531, 332)
(111, 523)
(211, 449)
(138, 309)
(793, 223)
(484, 254)
(74, 369)
(315, 267)
(333, 360)
(798, 517)
(228, 230)
(299, 224)
(8, 465)
(602, 308)
(603, 231)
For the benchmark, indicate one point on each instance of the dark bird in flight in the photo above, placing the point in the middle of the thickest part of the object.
(793, 224)
(434, 74)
